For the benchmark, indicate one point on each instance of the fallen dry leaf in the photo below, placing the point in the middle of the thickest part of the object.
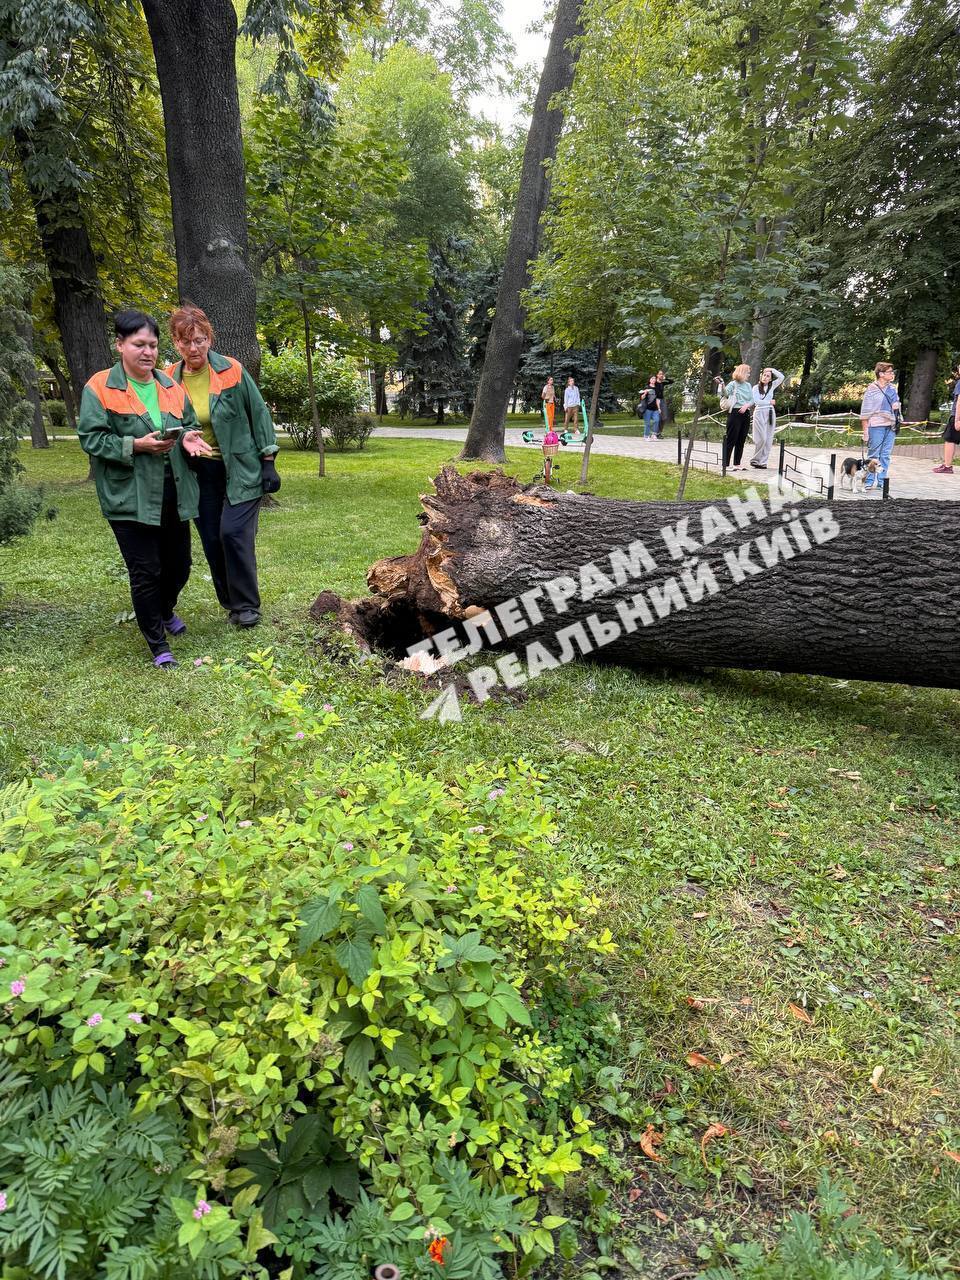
(875, 1075)
(954, 1155)
(694, 1003)
(936, 1093)
(660, 1217)
(838, 873)
(783, 835)
(634, 1194)
(698, 1061)
(831, 1135)
(746, 1001)
(713, 1131)
(649, 1140)
(700, 915)
(729, 1057)
(800, 1014)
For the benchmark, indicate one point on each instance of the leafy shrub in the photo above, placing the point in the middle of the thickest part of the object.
(834, 1245)
(57, 413)
(87, 1188)
(278, 932)
(339, 388)
(349, 1248)
(347, 430)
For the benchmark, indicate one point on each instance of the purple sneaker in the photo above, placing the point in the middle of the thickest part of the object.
(174, 626)
(165, 661)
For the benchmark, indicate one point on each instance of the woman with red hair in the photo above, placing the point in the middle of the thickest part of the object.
(236, 424)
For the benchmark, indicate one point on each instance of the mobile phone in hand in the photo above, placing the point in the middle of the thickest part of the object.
(172, 432)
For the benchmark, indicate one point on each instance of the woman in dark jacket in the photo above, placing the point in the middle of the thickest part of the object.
(237, 426)
(139, 429)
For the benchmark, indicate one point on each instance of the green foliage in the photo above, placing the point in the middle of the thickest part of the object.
(583, 1029)
(297, 1175)
(18, 504)
(88, 1184)
(339, 388)
(480, 1225)
(278, 932)
(835, 1244)
(57, 413)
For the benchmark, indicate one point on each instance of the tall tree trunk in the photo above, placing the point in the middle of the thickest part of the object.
(922, 384)
(502, 356)
(63, 386)
(78, 309)
(594, 404)
(38, 430)
(195, 50)
(779, 600)
(312, 389)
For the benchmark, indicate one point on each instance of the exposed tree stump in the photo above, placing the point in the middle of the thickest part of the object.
(878, 598)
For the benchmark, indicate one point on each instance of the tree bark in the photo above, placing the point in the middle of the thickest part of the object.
(922, 385)
(195, 50)
(63, 386)
(487, 540)
(38, 430)
(505, 344)
(594, 402)
(78, 309)
(312, 389)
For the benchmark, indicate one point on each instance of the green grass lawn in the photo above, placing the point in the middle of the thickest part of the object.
(759, 842)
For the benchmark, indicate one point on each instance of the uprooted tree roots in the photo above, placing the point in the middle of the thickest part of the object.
(856, 590)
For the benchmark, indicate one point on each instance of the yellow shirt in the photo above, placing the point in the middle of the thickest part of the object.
(197, 387)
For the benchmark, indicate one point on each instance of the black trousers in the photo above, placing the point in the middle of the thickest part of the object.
(738, 424)
(228, 534)
(158, 562)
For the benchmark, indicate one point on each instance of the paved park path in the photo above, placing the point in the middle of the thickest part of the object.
(910, 477)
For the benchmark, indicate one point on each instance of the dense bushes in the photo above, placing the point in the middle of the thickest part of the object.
(317, 970)
(340, 392)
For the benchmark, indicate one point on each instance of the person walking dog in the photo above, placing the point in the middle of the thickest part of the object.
(764, 416)
(880, 418)
(140, 431)
(738, 394)
(239, 470)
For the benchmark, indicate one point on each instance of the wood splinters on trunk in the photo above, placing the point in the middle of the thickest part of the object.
(715, 588)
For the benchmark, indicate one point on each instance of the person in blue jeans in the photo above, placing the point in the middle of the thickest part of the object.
(650, 407)
(879, 418)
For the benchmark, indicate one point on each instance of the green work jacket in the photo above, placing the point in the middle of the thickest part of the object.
(241, 423)
(130, 485)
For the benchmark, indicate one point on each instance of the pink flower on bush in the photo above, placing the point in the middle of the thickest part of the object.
(451, 888)
(201, 1210)
(477, 831)
(299, 735)
(198, 662)
(3, 1202)
(147, 894)
(95, 1019)
(496, 793)
(201, 817)
(2, 962)
(247, 822)
(135, 1017)
(348, 845)
(328, 706)
(17, 988)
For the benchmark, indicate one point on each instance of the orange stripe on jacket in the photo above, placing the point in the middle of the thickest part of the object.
(219, 381)
(116, 400)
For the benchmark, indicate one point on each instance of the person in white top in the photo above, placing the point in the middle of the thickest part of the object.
(571, 402)
(549, 397)
(764, 416)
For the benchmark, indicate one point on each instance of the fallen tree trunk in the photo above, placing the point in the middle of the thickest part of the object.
(863, 590)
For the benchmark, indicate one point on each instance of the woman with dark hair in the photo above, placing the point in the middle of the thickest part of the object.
(139, 429)
(764, 415)
(239, 469)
